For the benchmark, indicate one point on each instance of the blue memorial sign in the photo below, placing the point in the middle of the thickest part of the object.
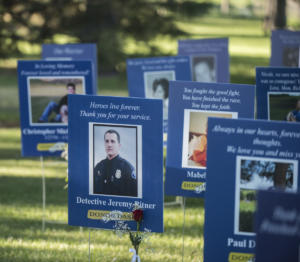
(277, 227)
(149, 77)
(209, 59)
(278, 93)
(74, 52)
(244, 156)
(285, 48)
(43, 94)
(191, 103)
(115, 161)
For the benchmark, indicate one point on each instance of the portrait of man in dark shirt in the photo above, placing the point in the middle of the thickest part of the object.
(60, 109)
(114, 175)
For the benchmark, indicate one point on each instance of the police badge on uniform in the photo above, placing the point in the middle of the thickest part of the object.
(118, 174)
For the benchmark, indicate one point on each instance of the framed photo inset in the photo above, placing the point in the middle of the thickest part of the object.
(255, 173)
(204, 68)
(194, 136)
(284, 106)
(47, 98)
(290, 56)
(157, 86)
(115, 167)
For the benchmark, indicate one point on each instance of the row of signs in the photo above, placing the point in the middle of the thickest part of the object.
(116, 144)
(43, 84)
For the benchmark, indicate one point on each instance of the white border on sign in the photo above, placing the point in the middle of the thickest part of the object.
(159, 74)
(139, 157)
(186, 129)
(238, 188)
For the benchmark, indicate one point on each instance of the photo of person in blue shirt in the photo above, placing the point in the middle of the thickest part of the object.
(294, 116)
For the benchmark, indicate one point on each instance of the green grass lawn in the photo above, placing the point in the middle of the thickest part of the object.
(247, 210)
(22, 238)
(38, 105)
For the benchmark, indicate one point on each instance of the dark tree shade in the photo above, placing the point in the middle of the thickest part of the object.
(281, 174)
(105, 22)
(280, 17)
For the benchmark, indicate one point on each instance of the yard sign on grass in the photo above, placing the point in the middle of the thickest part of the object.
(277, 227)
(74, 52)
(191, 104)
(278, 93)
(43, 94)
(285, 48)
(209, 59)
(244, 156)
(115, 162)
(149, 78)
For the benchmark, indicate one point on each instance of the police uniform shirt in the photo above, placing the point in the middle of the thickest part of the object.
(115, 177)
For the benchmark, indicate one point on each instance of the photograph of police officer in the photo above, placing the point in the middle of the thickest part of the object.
(204, 69)
(115, 161)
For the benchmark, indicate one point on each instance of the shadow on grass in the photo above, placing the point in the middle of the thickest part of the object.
(244, 73)
(35, 253)
(20, 191)
(32, 229)
(10, 153)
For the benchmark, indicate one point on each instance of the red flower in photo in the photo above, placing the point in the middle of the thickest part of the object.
(137, 215)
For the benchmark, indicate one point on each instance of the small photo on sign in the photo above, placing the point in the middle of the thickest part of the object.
(48, 102)
(204, 68)
(157, 86)
(284, 106)
(115, 160)
(290, 56)
(194, 136)
(259, 174)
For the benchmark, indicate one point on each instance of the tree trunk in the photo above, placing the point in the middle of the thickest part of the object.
(280, 18)
(269, 15)
(225, 6)
(280, 175)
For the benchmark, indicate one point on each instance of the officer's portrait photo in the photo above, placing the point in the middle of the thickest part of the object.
(157, 86)
(204, 68)
(116, 160)
(48, 98)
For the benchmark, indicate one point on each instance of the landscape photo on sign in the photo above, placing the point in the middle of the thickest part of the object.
(47, 98)
(115, 167)
(255, 173)
(204, 68)
(284, 106)
(157, 86)
(194, 144)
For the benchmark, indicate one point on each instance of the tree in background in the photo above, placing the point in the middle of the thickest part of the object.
(107, 22)
(225, 4)
(280, 174)
(276, 15)
(280, 15)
